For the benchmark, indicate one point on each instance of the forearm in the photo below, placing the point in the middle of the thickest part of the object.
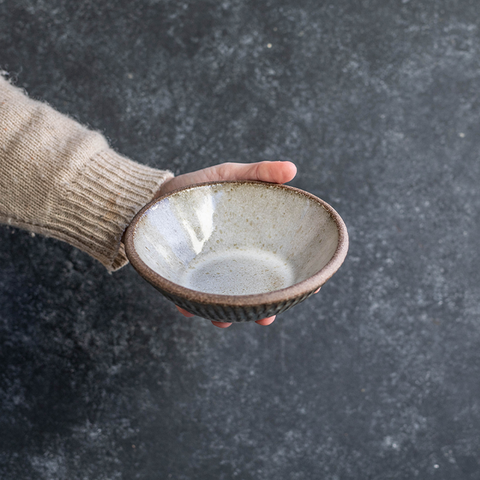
(62, 180)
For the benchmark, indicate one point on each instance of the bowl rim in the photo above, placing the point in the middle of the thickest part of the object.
(292, 292)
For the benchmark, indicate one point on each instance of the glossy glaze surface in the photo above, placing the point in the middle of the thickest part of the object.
(236, 239)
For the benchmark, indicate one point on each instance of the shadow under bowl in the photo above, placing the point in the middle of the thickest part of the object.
(237, 251)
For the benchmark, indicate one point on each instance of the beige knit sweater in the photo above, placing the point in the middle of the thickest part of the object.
(62, 180)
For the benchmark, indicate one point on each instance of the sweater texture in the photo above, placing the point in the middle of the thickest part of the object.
(62, 180)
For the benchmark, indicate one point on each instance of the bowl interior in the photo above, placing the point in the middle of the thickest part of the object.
(236, 238)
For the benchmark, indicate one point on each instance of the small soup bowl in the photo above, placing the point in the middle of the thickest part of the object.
(237, 251)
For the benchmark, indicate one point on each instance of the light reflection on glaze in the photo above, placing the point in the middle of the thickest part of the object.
(201, 228)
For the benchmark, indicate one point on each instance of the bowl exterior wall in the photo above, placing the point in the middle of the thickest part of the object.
(234, 314)
(238, 308)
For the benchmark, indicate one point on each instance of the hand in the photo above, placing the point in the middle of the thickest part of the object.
(273, 172)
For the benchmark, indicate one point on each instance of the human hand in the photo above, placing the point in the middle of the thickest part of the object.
(273, 172)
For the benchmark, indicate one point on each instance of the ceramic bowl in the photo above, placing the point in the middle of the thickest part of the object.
(237, 251)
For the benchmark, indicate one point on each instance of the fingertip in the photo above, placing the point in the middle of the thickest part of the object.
(184, 312)
(221, 324)
(266, 321)
(277, 172)
(317, 290)
(290, 170)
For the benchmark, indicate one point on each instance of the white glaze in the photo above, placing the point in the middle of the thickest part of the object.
(236, 238)
(238, 272)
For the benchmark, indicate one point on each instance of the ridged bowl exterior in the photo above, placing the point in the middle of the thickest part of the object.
(230, 313)
(231, 308)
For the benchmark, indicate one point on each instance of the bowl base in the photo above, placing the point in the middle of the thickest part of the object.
(238, 272)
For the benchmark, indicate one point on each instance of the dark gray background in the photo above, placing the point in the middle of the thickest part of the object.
(377, 376)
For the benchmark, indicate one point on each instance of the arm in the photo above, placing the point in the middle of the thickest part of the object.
(59, 179)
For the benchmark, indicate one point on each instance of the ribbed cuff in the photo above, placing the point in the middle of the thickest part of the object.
(100, 203)
(62, 180)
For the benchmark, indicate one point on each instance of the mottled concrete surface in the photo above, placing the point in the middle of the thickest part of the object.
(376, 377)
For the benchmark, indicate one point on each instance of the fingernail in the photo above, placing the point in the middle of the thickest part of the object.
(221, 324)
(266, 321)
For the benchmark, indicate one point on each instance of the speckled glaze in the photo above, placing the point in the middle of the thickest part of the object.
(237, 251)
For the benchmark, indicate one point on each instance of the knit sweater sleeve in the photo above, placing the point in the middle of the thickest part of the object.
(59, 179)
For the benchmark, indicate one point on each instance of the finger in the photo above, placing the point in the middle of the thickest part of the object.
(221, 324)
(317, 290)
(184, 312)
(266, 321)
(273, 172)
